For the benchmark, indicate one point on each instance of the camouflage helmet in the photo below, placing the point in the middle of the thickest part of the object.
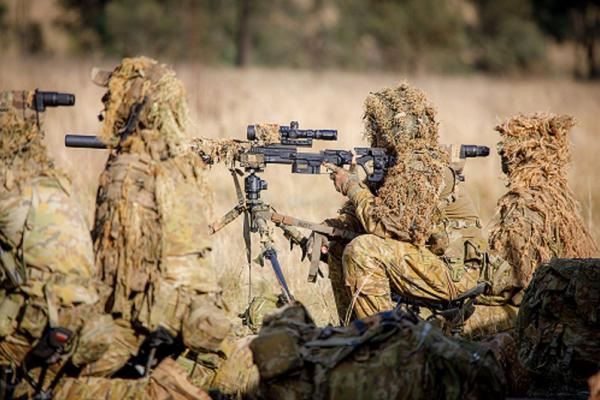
(538, 140)
(154, 90)
(18, 122)
(397, 116)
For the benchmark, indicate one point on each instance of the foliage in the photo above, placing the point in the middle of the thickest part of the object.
(497, 36)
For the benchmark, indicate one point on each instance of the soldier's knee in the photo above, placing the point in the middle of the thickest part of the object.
(361, 247)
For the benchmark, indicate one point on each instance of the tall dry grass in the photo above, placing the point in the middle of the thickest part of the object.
(223, 101)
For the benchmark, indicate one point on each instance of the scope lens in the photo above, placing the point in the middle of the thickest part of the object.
(55, 99)
(471, 151)
(326, 134)
(250, 132)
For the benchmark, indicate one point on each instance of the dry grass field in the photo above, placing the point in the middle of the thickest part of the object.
(224, 101)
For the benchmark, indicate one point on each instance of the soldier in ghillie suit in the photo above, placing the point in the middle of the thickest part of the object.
(49, 301)
(390, 355)
(149, 234)
(422, 235)
(558, 326)
(538, 216)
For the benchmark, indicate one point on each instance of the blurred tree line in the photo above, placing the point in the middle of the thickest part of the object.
(497, 36)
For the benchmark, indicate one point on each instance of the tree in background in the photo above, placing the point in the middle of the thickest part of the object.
(85, 20)
(495, 36)
(577, 20)
(506, 38)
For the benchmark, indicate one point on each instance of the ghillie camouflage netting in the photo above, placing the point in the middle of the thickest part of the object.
(538, 216)
(148, 250)
(22, 151)
(144, 81)
(401, 120)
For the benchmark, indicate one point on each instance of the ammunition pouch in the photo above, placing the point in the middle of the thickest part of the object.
(276, 353)
(205, 326)
(463, 254)
(502, 282)
(95, 338)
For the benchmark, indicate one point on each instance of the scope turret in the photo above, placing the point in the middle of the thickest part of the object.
(41, 100)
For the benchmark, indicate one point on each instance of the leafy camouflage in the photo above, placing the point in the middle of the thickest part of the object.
(387, 356)
(400, 120)
(397, 115)
(165, 111)
(559, 320)
(539, 217)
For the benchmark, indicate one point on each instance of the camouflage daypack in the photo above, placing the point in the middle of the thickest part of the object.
(559, 320)
(390, 355)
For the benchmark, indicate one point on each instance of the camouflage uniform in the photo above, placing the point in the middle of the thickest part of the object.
(390, 355)
(46, 254)
(150, 231)
(422, 237)
(538, 216)
(559, 322)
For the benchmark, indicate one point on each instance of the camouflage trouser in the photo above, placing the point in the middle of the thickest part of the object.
(125, 344)
(367, 270)
(341, 293)
(168, 381)
(374, 267)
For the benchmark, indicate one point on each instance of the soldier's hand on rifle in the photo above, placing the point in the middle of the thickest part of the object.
(343, 179)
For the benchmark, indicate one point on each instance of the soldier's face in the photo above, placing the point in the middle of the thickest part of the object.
(105, 100)
(503, 158)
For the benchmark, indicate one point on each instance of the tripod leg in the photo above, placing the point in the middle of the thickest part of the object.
(271, 254)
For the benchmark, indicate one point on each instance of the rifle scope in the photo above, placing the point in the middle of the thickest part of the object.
(292, 135)
(41, 100)
(472, 151)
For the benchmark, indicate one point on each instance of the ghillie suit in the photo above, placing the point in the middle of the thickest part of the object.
(150, 232)
(390, 355)
(422, 235)
(46, 254)
(559, 322)
(538, 216)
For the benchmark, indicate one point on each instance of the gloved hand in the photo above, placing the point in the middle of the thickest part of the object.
(343, 179)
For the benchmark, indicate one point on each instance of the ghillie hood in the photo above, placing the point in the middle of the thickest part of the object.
(156, 92)
(401, 120)
(399, 117)
(539, 216)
